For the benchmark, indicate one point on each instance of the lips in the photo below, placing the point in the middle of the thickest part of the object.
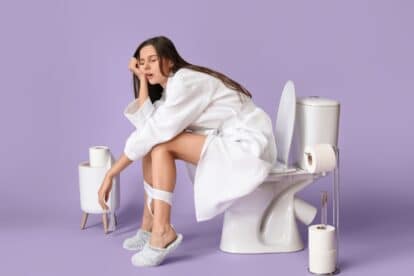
(149, 75)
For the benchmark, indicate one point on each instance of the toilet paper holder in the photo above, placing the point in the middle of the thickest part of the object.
(335, 210)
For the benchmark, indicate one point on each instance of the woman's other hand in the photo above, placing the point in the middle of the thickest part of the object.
(104, 190)
(133, 66)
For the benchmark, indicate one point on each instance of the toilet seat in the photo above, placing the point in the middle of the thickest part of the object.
(280, 171)
(282, 168)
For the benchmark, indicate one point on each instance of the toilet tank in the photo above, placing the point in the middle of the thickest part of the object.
(317, 122)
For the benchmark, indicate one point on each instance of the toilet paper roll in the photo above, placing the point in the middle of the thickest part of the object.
(321, 237)
(99, 156)
(319, 158)
(322, 262)
(322, 248)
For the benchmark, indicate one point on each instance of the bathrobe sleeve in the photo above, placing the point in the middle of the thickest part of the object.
(136, 114)
(187, 95)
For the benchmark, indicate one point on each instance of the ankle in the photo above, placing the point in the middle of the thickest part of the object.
(146, 226)
(162, 229)
(147, 229)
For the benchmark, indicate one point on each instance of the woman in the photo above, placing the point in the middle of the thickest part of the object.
(195, 114)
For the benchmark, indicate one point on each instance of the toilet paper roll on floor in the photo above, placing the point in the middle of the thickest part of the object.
(319, 158)
(322, 248)
(322, 262)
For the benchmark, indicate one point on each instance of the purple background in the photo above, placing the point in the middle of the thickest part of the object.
(64, 84)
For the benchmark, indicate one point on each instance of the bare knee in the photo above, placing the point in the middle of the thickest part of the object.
(160, 150)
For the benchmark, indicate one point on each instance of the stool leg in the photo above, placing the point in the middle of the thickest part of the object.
(84, 219)
(105, 222)
(116, 220)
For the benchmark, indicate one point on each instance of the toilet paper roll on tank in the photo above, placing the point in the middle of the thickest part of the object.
(91, 176)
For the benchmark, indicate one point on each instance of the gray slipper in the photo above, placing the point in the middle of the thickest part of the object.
(138, 241)
(153, 256)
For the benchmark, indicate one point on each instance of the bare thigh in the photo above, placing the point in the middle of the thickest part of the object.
(186, 146)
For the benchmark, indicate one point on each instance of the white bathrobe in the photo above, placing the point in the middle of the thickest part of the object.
(239, 150)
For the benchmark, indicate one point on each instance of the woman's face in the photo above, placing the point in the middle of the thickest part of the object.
(149, 63)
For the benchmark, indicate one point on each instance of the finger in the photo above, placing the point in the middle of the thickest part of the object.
(133, 62)
(140, 69)
(131, 65)
(103, 205)
(101, 201)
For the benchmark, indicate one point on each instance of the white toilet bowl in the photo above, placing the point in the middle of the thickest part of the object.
(264, 221)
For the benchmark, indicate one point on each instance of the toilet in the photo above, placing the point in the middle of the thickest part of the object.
(265, 221)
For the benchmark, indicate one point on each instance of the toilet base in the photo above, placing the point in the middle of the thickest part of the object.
(265, 220)
(238, 238)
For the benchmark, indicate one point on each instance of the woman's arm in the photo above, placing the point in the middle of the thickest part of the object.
(188, 95)
(143, 91)
(105, 188)
(119, 166)
(143, 84)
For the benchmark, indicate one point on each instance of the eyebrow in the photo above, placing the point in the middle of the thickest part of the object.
(150, 56)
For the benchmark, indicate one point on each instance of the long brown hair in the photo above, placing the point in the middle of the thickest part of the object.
(166, 50)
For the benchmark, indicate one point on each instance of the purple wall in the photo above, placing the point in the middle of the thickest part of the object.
(64, 84)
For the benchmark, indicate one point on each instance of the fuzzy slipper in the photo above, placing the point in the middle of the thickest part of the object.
(153, 256)
(138, 241)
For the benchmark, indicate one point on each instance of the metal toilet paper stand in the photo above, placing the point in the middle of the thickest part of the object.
(335, 210)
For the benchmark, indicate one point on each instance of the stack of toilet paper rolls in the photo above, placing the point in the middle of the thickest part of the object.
(322, 249)
(91, 176)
